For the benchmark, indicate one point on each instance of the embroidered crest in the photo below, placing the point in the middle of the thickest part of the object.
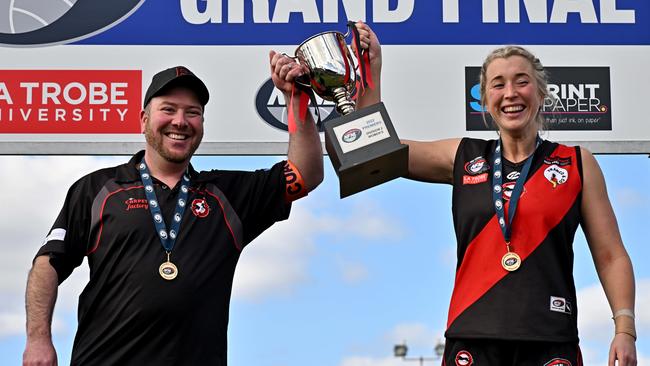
(556, 175)
(464, 358)
(477, 166)
(200, 207)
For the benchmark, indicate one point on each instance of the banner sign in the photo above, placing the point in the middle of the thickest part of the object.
(579, 99)
(273, 22)
(70, 101)
(73, 72)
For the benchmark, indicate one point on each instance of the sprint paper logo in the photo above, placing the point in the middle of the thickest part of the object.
(579, 98)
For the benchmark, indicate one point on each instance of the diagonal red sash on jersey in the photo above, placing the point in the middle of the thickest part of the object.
(540, 210)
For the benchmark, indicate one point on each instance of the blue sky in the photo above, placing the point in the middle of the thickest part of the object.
(340, 282)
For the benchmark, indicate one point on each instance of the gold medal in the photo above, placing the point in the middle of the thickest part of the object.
(510, 261)
(168, 270)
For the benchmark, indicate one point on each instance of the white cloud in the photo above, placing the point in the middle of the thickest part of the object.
(365, 219)
(415, 335)
(11, 323)
(419, 338)
(597, 328)
(277, 262)
(34, 189)
(353, 273)
(594, 357)
(594, 316)
(627, 197)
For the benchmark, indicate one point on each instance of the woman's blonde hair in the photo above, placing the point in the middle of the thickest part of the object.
(538, 73)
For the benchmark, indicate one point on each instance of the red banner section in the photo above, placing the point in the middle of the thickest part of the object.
(70, 101)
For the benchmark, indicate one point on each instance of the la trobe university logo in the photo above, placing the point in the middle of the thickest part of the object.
(25, 23)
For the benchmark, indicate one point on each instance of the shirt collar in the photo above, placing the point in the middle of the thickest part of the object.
(128, 172)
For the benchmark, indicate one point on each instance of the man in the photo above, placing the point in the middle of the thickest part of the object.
(162, 240)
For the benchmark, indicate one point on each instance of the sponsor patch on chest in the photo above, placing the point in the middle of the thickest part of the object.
(557, 170)
(556, 175)
(475, 179)
(476, 170)
(557, 160)
(136, 203)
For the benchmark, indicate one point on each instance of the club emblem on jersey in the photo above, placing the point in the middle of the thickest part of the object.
(508, 188)
(464, 358)
(477, 166)
(513, 175)
(556, 175)
(200, 207)
(558, 362)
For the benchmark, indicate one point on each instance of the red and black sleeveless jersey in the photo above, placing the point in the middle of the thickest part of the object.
(537, 301)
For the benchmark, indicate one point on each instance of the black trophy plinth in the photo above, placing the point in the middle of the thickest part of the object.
(364, 149)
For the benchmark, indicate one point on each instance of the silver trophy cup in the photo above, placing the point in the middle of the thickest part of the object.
(332, 73)
(362, 144)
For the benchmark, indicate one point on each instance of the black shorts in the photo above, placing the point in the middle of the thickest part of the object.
(489, 352)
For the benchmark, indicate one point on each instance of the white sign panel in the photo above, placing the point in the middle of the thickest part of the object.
(75, 84)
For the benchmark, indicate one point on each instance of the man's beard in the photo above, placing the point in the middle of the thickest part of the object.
(156, 141)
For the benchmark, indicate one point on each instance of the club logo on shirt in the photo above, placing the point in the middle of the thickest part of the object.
(558, 362)
(556, 175)
(476, 166)
(200, 207)
(508, 188)
(464, 358)
(135, 203)
(560, 305)
(513, 175)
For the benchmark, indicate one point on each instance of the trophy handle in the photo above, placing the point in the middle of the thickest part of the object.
(349, 25)
(302, 80)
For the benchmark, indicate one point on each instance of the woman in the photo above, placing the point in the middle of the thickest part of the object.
(514, 297)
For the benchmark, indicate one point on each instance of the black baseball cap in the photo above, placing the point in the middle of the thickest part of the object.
(173, 77)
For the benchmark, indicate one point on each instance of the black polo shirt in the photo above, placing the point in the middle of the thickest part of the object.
(128, 314)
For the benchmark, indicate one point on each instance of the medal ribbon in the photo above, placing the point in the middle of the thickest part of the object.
(497, 179)
(167, 238)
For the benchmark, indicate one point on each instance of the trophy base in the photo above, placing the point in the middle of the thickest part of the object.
(365, 150)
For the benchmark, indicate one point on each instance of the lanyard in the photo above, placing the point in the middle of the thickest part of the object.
(497, 179)
(167, 238)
